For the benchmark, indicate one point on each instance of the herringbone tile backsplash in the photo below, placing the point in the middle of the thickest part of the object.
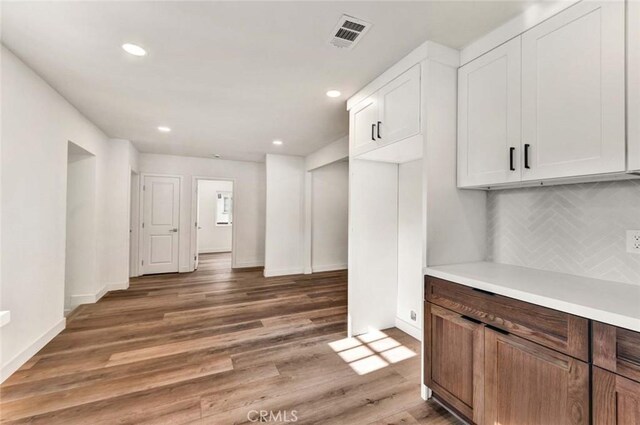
(577, 229)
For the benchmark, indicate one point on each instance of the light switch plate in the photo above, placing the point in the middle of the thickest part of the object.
(633, 241)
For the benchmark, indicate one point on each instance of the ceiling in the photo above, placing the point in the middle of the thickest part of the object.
(227, 77)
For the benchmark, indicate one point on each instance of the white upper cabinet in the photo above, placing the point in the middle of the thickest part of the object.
(573, 93)
(387, 116)
(399, 107)
(363, 122)
(489, 118)
(633, 84)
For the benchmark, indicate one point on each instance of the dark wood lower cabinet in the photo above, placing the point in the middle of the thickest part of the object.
(494, 371)
(616, 400)
(527, 384)
(454, 360)
(616, 350)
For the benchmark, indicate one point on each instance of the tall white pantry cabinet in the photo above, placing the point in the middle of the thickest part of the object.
(406, 117)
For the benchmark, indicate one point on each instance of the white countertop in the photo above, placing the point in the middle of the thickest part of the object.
(610, 302)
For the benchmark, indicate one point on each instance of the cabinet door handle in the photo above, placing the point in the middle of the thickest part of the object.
(526, 155)
(500, 331)
(512, 166)
(471, 319)
(373, 132)
(379, 122)
(482, 291)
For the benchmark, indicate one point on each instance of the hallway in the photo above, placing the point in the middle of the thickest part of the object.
(211, 347)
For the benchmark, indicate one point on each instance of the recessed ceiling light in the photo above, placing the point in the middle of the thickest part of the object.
(134, 49)
(333, 93)
(164, 129)
(277, 142)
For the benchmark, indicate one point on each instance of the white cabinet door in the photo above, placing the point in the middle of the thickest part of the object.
(573, 92)
(160, 224)
(489, 118)
(363, 121)
(633, 84)
(399, 108)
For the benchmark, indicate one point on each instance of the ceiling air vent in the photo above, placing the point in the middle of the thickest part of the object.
(348, 32)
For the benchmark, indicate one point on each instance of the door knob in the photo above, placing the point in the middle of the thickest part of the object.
(173, 230)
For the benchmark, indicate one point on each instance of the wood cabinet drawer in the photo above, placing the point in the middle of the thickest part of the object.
(617, 350)
(554, 329)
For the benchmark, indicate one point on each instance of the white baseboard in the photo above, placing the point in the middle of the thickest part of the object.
(214, 250)
(5, 318)
(425, 392)
(246, 264)
(78, 299)
(21, 358)
(329, 268)
(409, 328)
(117, 286)
(283, 272)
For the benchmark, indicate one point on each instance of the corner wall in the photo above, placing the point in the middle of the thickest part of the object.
(285, 215)
(330, 217)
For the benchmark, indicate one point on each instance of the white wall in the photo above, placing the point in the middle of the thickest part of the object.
(81, 282)
(333, 152)
(134, 219)
(456, 219)
(249, 202)
(410, 275)
(37, 125)
(373, 245)
(123, 158)
(285, 215)
(329, 217)
(212, 237)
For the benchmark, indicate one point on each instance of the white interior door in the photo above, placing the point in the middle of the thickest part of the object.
(573, 92)
(489, 118)
(160, 224)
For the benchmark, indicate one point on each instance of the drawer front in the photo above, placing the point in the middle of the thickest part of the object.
(554, 329)
(617, 350)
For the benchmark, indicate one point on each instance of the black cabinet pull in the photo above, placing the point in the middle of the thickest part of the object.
(512, 166)
(373, 132)
(379, 122)
(471, 319)
(500, 331)
(482, 291)
(526, 155)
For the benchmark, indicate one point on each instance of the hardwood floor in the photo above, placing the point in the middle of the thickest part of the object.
(215, 346)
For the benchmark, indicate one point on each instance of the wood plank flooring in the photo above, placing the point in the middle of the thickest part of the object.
(218, 346)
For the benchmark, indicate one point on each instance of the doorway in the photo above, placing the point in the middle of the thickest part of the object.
(160, 224)
(214, 219)
(80, 250)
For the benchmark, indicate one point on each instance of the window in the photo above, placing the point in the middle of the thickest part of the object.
(224, 209)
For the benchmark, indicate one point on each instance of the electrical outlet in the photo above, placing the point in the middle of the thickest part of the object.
(633, 241)
(413, 315)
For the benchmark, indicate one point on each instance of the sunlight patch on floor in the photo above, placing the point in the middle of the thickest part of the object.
(371, 351)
